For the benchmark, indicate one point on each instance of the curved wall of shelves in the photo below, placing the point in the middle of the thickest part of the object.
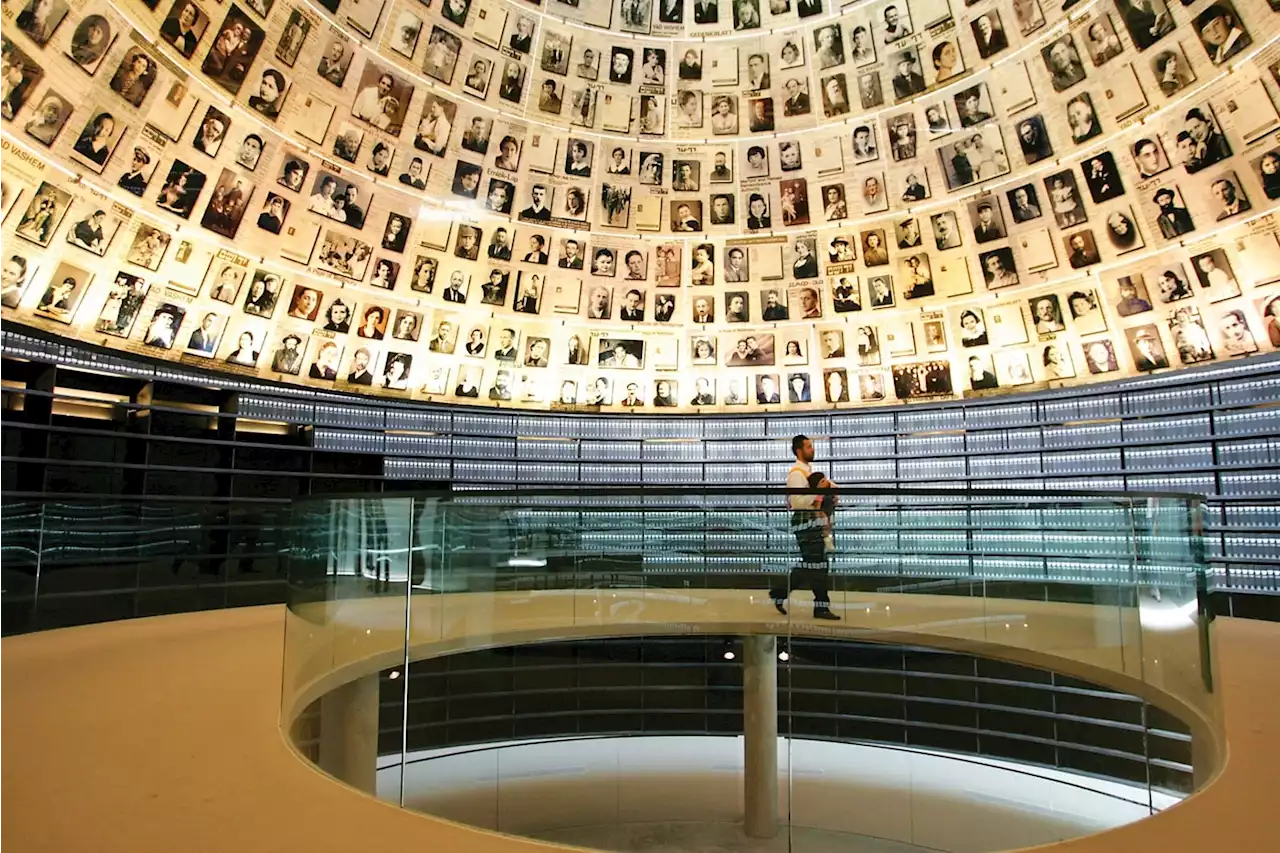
(223, 456)
(833, 690)
(302, 193)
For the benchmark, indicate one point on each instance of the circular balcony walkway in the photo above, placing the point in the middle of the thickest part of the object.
(163, 734)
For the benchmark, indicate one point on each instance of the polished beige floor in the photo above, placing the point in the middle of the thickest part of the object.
(159, 735)
(706, 837)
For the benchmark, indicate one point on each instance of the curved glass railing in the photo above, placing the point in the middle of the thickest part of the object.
(1102, 589)
(70, 561)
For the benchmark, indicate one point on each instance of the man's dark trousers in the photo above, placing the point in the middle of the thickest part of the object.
(812, 570)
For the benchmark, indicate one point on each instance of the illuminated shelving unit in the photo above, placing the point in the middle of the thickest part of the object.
(85, 426)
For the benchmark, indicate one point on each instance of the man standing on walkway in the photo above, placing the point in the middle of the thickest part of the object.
(808, 526)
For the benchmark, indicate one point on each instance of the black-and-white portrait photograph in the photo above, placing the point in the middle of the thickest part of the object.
(1101, 41)
(588, 65)
(64, 293)
(653, 115)
(250, 150)
(382, 98)
(344, 255)
(335, 61)
(296, 30)
(39, 19)
(1122, 231)
(1132, 296)
(1234, 334)
(233, 50)
(556, 48)
(404, 33)
(1147, 21)
(1172, 71)
(908, 79)
(974, 157)
(621, 65)
(946, 230)
(1065, 199)
(21, 75)
(981, 374)
(1024, 203)
(902, 137)
(338, 199)
(746, 14)
(162, 329)
(604, 262)
(1190, 337)
(1173, 218)
(124, 303)
(16, 274)
(836, 384)
(989, 34)
(722, 209)
(1214, 272)
(1102, 177)
(227, 205)
(973, 105)
(395, 233)
(632, 308)
(907, 232)
(476, 81)
(455, 11)
(1200, 143)
(686, 216)
(89, 42)
(1100, 357)
(1146, 348)
(522, 30)
(97, 140)
(44, 214)
(922, 379)
(184, 26)
(293, 173)
(1082, 118)
(1062, 61)
(224, 282)
(620, 353)
(1228, 196)
(1172, 283)
(937, 120)
(973, 328)
(263, 293)
(998, 268)
(880, 291)
(987, 219)
(269, 98)
(181, 187)
(1149, 156)
(1086, 311)
(500, 195)
(212, 132)
(441, 60)
(1081, 249)
(1033, 139)
(828, 47)
(1221, 31)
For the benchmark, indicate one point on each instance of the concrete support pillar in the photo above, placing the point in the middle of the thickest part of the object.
(760, 727)
(349, 733)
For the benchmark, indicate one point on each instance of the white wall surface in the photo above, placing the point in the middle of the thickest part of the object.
(928, 799)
